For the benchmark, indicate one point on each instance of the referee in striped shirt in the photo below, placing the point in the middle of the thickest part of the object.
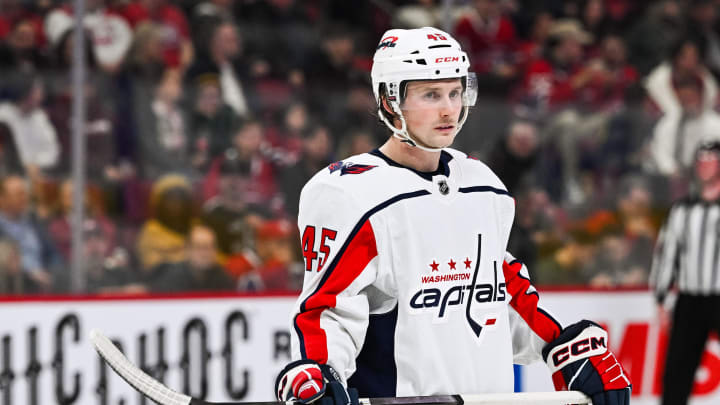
(686, 255)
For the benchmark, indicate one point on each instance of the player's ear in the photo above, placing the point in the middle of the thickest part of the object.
(386, 107)
(388, 112)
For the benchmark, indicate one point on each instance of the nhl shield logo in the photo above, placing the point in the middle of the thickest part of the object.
(443, 187)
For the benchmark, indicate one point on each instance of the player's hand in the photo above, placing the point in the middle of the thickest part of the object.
(663, 317)
(579, 360)
(306, 381)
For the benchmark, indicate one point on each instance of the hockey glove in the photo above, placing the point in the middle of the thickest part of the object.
(306, 381)
(580, 360)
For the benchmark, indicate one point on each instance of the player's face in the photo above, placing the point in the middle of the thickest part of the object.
(707, 166)
(432, 109)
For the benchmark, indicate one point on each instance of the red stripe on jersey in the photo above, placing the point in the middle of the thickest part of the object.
(355, 257)
(527, 304)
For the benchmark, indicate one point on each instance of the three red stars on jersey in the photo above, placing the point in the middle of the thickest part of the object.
(451, 264)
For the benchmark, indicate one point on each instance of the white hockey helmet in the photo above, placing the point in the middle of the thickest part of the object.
(418, 54)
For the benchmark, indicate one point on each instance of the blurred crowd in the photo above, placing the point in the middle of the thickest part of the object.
(206, 118)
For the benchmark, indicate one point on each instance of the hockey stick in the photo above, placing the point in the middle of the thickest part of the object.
(163, 395)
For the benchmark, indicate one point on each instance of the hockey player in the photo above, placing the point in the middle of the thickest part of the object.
(408, 289)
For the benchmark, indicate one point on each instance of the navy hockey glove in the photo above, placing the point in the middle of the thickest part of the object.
(580, 360)
(306, 381)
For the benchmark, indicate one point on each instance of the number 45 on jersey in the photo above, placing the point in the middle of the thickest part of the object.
(308, 246)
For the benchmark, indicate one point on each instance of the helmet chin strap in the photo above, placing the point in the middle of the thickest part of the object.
(402, 133)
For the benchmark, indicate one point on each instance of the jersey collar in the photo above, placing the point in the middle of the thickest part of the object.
(443, 167)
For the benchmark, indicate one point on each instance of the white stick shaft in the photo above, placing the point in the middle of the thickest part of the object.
(142, 382)
(527, 398)
(163, 395)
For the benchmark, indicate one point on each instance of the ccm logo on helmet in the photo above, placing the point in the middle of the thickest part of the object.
(448, 59)
(577, 348)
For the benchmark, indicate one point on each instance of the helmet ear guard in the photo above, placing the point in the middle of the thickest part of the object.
(388, 117)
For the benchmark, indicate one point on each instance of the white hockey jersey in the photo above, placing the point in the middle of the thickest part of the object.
(408, 288)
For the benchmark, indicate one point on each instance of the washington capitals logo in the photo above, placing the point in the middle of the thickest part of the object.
(387, 42)
(461, 296)
(349, 168)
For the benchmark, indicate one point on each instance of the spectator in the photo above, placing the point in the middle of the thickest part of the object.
(13, 280)
(21, 49)
(637, 212)
(615, 263)
(107, 268)
(162, 238)
(515, 155)
(328, 72)
(608, 77)
(595, 19)
(144, 62)
(532, 48)
(285, 140)
(14, 11)
(702, 26)
(62, 57)
(491, 41)
(652, 36)
(39, 257)
(586, 102)
(253, 174)
(234, 224)
(678, 134)
(199, 272)
(60, 226)
(109, 32)
(685, 63)
(553, 85)
(33, 134)
(222, 57)
(276, 251)
(134, 88)
(580, 131)
(163, 139)
(316, 151)
(557, 256)
(211, 122)
(99, 124)
(177, 50)
(624, 148)
(549, 83)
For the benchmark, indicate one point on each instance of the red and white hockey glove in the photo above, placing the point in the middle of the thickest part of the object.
(306, 381)
(580, 360)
